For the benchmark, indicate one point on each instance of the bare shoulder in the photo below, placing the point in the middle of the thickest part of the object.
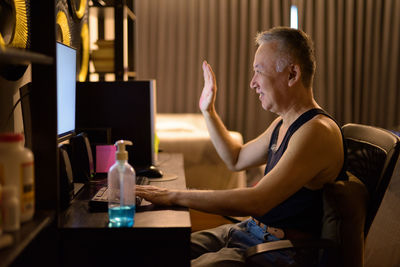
(322, 126)
(320, 143)
(321, 134)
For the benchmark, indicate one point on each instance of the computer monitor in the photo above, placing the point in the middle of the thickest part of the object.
(66, 90)
(124, 109)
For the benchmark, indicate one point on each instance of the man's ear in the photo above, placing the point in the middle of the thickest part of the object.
(294, 74)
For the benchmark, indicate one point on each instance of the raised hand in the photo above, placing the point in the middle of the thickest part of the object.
(208, 95)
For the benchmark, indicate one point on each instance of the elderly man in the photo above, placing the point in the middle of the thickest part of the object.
(303, 148)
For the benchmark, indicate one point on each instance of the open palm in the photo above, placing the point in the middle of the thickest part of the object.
(208, 95)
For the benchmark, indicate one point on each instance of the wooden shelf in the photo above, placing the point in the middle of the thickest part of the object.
(131, 74)
(130, 13)
(20, 57)
(40, 233)
(124, 18)
(25, 235)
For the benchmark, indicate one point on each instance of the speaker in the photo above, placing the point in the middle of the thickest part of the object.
(66, 187)
(81, 158)
(25, 97)
(97, 137)
(14, 32)
(73, 30)
(79, 17)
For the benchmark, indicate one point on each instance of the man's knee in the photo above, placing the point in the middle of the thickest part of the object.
(211, 240)
(229, 257)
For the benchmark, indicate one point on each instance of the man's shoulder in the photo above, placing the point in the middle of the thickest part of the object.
(321, 124)
(319, 129)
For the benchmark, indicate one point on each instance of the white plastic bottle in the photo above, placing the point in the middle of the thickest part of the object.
(121, 189)
(17, 169)
(10, 209)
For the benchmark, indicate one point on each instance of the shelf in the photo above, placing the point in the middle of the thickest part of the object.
(130, 13)
(39, 233)
(111, 3)
(25, 235)
(101, 3)
(131, 74)
(124, 19)
(20, 57)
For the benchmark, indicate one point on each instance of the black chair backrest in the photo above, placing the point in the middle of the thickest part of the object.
(372, 155)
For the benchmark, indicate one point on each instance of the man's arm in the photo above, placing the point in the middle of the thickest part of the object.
(314, 156)
(235, 155)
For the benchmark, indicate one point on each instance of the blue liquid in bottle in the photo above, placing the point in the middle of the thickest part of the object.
(121, 216)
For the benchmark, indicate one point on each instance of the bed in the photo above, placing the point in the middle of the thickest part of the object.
(187, 134)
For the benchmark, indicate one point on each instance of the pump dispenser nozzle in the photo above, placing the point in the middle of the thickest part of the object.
(121, 153)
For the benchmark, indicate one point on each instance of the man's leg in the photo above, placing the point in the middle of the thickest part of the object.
(210, 240)
(213, 247)
(225, 257)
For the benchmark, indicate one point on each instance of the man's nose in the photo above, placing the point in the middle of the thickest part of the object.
(252, 83)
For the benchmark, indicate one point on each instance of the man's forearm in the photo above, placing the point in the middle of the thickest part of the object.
(235, 202)
(228, 149)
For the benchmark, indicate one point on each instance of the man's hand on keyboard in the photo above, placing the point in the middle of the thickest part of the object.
(156, 195)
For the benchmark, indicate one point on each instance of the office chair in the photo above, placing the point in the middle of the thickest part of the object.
(372, 155)
(349, 206)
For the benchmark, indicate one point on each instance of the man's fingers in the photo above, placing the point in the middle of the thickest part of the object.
(207, 71)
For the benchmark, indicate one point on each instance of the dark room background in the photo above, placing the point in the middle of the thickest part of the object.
(357, 48)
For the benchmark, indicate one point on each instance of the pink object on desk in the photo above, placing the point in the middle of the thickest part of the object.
(105, 157)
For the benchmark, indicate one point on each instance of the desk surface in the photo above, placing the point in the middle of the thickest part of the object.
(161, 231)
(147, 215)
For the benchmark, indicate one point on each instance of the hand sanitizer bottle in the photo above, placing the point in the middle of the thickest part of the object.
(121, 189)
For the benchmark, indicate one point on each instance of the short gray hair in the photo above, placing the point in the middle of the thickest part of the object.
(293, 46)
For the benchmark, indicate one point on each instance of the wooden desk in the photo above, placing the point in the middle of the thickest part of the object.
(159, 236)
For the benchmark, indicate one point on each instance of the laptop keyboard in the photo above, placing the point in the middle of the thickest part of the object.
(100, 202)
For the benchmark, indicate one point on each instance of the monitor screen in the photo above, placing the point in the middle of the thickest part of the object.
(66, 90)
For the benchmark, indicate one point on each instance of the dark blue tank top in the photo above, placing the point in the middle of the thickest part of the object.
(302, 210)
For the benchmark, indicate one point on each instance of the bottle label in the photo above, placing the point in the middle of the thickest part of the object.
(27, 187)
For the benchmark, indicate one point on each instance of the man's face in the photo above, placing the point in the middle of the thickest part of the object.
(268, 82)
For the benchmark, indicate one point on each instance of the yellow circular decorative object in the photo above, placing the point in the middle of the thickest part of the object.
(19, 37)
(85, 53)
(21, 25)
(81, 10)
(62, 22)
(2, 43)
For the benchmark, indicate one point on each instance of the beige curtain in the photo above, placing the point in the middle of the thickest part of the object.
(175, 36)
(357, 49)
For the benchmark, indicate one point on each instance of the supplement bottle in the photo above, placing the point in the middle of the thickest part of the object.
(10, 209)
(17, 169)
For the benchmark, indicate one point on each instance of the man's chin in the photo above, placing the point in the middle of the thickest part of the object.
(265, 107)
